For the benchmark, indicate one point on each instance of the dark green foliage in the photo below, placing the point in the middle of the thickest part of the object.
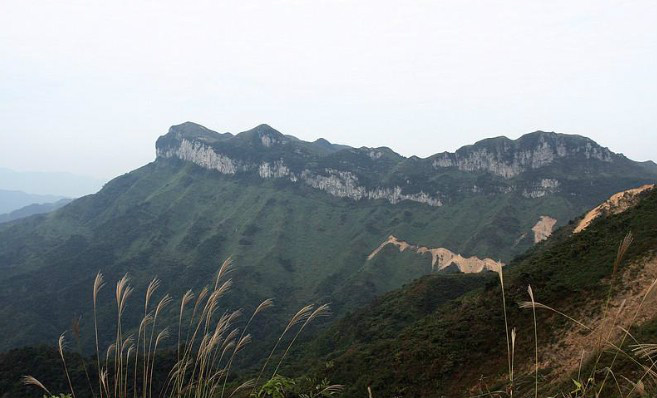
(445, 349)
(45, 364)
(302, 387)
(276, 387)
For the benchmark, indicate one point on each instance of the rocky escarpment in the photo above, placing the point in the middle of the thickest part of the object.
(343, 184)
(506, 158)
(442, 258)
(202, 155)
(534, 166)
(616, 204)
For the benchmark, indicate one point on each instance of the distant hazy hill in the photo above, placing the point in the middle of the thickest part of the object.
(14, 200)
(30, 210)
(299, 218)
(49, 183)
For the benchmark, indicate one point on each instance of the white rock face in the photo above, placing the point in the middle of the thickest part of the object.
(542, 155)
(268, 141)
(544, 187)
(479, 160)
(345, 184)
(202, 155)
(275, 170)
(374, 154)
(597, 153)
(342, 184)
(442, 258)
(543, 228)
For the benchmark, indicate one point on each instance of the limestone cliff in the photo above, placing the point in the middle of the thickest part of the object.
(507, 158)
(535, 166)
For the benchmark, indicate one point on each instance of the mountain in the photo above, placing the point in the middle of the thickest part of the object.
(650, 166)
(299, 218)
(33, 209)
(14, 200)
(49, 183)
(561, 173)
(417, 341)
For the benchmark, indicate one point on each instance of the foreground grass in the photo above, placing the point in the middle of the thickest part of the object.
(598, 377)
(583, 278)
(207, 345)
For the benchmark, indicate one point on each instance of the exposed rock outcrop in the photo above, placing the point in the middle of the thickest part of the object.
(202, 155)
(616, 204)
(507, 158)
(544, 187)
(543, 228)
(343, 184)
(442, 258)
(510, 166)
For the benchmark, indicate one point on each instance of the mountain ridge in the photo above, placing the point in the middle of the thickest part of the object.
(380, 173)
(298, 241)
(190, 130)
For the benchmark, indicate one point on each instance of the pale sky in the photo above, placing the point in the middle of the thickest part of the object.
(87, 86)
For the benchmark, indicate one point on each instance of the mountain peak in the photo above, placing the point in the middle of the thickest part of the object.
(551, 135)
(322, 142)
(266, 129)
(190, 128)
(358, 172)
(542, 132)
(264, 134)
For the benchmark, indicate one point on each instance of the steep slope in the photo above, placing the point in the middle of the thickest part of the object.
(617, 203)
(458, 348)
(299, 219)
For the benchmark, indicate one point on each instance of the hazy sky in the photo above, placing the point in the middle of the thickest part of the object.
(88, 86)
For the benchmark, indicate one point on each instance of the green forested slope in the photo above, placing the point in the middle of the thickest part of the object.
(400, 346)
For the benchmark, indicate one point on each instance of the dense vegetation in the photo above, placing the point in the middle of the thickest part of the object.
(45, 363)
(444, 334)
(210, 338)
(299, 245)
(401, 347)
